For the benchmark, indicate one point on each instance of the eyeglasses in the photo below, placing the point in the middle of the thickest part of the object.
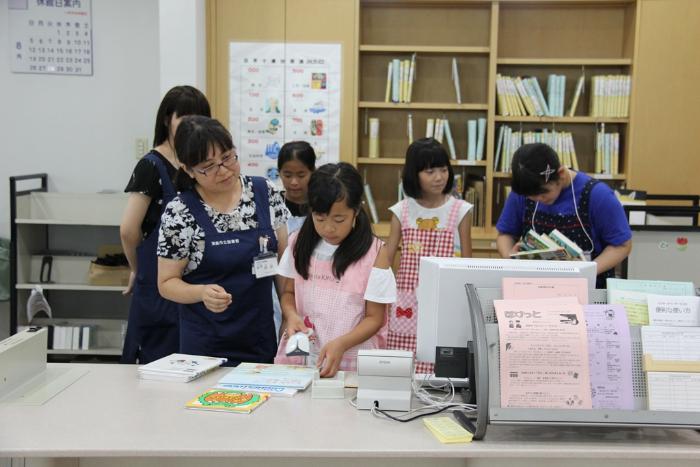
(227, 161)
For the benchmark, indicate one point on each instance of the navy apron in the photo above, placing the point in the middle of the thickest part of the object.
(152, 331)
(569, 225)
(245, 331)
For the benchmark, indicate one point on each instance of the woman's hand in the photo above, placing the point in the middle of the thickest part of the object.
(216, 298)
(330, 357)
(130, 285)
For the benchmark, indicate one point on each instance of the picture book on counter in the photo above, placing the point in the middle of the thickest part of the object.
(228, 400)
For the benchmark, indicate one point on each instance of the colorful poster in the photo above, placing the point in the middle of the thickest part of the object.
(51, 37)
(543, 353)
(283, 92)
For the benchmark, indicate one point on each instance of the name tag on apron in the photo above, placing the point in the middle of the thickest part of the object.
(265, 265)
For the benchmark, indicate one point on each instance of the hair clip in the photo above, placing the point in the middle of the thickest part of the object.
(547, 173)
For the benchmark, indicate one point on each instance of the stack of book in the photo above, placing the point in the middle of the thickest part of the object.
(179, 367)
(520, 97)
(509, 141)
(554, 245)
(68, 337)
(399, 80)
(610, 96)
(607, 152)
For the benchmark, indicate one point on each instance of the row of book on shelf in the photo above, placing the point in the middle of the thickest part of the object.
(399, 80)
(509, 141)
(438, 128)
(607, 154)
(402, 73)
(522, 96)
(587, 360)
(68, 337)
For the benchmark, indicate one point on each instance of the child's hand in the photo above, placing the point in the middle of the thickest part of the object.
(294, 325)
(216, 298)
(518, 247)
(330, 357)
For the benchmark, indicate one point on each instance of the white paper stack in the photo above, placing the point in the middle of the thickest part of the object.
(179, 367)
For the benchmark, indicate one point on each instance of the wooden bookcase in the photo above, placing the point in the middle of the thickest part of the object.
(512, 37)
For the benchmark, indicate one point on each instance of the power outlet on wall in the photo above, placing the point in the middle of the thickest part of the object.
(140, 147)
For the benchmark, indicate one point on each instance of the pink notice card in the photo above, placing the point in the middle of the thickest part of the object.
(544, 354)
(524, 288)
(610, 356)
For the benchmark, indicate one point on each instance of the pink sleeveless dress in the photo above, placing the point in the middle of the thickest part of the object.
(333, 307)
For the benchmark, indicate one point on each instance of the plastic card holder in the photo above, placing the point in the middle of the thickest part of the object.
(328, 388)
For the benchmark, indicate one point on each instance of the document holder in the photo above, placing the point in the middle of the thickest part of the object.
(488, 396)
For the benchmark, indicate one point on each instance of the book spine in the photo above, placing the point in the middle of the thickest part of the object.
(373, 137)
(411, 77)
(387, 94)
(450, 141)
(395, 80)
(471, 140)
(481, 123)
(455, 79)
(429, 128)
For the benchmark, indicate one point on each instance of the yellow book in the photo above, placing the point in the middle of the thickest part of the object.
(387, 94)
(501, 97)
(447, 430)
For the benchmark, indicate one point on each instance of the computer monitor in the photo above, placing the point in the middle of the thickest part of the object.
(443, 316)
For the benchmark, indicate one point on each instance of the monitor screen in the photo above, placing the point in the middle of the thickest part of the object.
(443, 311)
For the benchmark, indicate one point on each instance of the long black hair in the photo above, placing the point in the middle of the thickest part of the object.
(195, 137)
(329, 184)
(533, 166)
(180, 100)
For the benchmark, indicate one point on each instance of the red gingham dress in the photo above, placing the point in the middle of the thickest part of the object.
(415, 243)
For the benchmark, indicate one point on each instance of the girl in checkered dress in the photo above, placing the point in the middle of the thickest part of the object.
(341, 280)
(429, 221)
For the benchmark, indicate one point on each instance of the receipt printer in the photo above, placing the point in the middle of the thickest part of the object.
(384, 379)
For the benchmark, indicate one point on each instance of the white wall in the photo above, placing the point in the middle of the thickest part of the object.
(82, 130)
(182, 44)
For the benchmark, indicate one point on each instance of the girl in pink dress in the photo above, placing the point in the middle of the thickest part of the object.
(429, 221)
(340, 280)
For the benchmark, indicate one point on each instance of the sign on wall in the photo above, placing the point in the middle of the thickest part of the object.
(283, 92)
(51, 36)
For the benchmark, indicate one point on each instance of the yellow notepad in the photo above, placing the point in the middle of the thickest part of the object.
(447, 430)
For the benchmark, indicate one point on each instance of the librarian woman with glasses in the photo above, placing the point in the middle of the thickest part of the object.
(546, 196)
(218, 247)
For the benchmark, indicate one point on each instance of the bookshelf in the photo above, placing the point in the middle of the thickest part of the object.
(436, 32)
(69, 228)
(508, 37)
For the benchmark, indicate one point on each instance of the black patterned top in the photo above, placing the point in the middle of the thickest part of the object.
(180, 237)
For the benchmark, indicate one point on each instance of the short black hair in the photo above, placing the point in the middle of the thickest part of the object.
(329, 184)
(180, 100)
(422, 154)
(195, 137)
(297, 150)
(533, 166)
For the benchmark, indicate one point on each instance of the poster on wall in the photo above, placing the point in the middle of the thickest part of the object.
(283, 92)
(51, 36)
